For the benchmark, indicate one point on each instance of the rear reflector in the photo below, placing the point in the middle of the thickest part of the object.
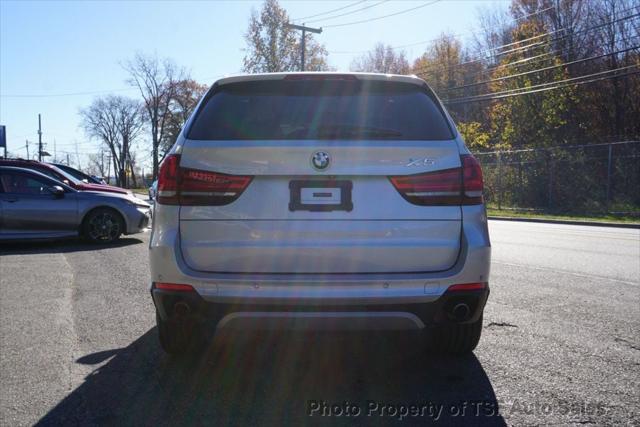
(449, 187)
(183, 186)
(175, 287)
(467, 287)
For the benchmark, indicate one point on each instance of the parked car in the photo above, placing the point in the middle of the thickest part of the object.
(35, 206)
(320, 200)
(62, 176)
(153, 190)
(89, 179)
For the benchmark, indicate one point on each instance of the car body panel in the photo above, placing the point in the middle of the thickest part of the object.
(24, 213)
(58, 174)
(168, 265)
(48, 216)
(356, 158)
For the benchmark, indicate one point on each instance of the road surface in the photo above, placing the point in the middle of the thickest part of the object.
(560, 345)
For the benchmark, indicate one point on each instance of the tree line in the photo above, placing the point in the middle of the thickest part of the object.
(543, 73)
(168, 96)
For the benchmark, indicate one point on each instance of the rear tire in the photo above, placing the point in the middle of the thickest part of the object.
(102, 225)
(455, 338)
(176, 336)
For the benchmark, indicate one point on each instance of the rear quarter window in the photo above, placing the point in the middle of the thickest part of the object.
(320, 110)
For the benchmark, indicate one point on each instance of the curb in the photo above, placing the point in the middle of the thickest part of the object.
(567, 222)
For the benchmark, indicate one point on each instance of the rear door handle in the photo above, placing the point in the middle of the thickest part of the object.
(10, 199)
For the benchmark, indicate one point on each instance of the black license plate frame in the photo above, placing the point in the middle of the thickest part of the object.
(295, 200)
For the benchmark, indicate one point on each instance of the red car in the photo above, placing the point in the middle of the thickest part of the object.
(60, 175)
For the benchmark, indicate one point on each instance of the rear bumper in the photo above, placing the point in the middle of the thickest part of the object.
(407, 316)
(168, 266)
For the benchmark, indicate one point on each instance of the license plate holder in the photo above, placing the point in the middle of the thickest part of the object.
(320, 195)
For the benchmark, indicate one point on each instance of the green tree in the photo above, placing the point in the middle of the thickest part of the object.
(538, 119)
(474, 136)
(273, 47)
(440, 64)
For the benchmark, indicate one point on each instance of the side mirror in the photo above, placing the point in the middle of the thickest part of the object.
(57, 191)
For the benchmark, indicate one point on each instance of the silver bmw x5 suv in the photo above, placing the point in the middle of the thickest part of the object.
(322, 201)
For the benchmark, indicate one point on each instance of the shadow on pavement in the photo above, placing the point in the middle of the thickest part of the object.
(58, 246)
(258, 379)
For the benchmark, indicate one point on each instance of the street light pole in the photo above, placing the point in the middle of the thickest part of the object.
(303, 41)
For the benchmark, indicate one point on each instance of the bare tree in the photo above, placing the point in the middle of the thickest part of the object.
(115, 121)
(187, 94)
(382, 59)
(156, 80)
(130, 123)
(495, 30)
(273, 47)
(97, 164)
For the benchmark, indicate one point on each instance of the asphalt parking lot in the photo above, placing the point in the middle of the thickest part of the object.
(560, 345)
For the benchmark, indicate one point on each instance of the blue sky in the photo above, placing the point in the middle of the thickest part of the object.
(50, 51)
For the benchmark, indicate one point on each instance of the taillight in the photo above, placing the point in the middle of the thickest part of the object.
(433, 188)
(168, 180)
(456, 186)
(183, 186)
(472, 179)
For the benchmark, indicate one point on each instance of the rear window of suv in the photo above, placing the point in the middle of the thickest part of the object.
(320, 110)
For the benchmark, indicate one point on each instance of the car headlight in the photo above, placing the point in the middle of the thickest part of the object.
(138, 205)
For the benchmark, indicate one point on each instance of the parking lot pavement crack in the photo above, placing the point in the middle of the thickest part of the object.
(500, 324)
(626, 342)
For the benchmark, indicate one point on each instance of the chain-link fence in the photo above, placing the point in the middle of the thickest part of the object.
(585, 179)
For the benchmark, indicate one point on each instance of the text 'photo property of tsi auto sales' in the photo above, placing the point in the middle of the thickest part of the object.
(337, 212)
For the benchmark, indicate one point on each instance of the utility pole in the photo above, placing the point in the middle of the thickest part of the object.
(3, 139)
(39, 138)
(303, 40)
(27, 141)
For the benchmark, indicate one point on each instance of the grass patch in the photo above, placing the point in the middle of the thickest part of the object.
(514, 213)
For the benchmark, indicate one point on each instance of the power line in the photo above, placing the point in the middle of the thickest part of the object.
(436, 39)
(516, 63)
(348, 13)
(536, 44)
(67, 94)
(572, 79)
(98, 92)
(542, 69)
(330, 11)
(382, 17)
(565, 28)
(541, 87)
